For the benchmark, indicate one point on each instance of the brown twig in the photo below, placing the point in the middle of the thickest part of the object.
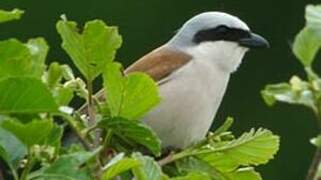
(92, 122)
(314, 166)
(91, 110)
(167, 160)
(77, 132)
(313, 170)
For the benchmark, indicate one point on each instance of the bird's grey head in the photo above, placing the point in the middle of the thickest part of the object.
(217, 35)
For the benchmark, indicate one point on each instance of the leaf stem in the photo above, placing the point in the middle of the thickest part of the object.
(92, 113)
(90, 102)
(174, 157)
(25, 172)
(92, 122)
(313, 170)
(12, 169)
(314, 166)
(82, 139)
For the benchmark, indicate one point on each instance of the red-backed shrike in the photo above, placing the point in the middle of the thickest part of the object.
(192, 71)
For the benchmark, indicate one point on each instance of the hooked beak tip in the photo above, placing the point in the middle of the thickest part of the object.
(255, 41)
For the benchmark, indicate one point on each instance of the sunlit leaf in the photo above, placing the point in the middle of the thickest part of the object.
(119, 165)
(226, 126)
(25, 95)
(60, 78)
(10, 15)
(306, 46)
(316, 141)
(313, 17)
(149, 169)
(15, 59)
(19, 59)
(54, 74)
(91, 50)
(252, 148)
(194, 176)
(64, 95)
(193, 164)
(38, 49)
(244, 174)
(129, 96)
(67, 72)
(288, 93)
(134, 132)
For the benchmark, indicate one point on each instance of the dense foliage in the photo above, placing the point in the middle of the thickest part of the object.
(35, 113)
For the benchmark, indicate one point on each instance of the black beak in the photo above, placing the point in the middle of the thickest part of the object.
(254, 41)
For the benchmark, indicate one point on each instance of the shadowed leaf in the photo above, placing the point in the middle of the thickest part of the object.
(134, 131)
(12, 150)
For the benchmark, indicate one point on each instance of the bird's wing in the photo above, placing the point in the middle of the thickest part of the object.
(160, 63)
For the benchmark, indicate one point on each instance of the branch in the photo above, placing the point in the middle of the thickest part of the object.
(82, 139)
(92, 122)
(313, 170)
(314, 166)
(28, 167)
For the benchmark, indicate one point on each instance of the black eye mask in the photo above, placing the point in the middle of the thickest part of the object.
(221, 33)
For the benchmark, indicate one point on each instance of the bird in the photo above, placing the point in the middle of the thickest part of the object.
(192, 71)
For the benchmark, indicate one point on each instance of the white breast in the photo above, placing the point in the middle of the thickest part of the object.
(189, 103)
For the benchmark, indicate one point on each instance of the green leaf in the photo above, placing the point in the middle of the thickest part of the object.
(118, 165)
(25, 95)
(193, 164)
(54, 74)
(133, 131)
(64, 95)
(306, 46)
(38, 49)
(297, 92)
(226, 126)
(68, 167)
(149, 169)
(129, 96)
(193, 176)
(18, 59)
(54, 137)
(12, 150)
(34, 132)
(252, 148)
(316, 141)
(91, 50)
(313, 17)
(15, 59)
(244, 174)
(10, 15)
(67, 72)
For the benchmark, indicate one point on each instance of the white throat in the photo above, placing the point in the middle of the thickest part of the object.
(226, 56)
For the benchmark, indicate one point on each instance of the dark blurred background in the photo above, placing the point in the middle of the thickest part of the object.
(146, 24)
